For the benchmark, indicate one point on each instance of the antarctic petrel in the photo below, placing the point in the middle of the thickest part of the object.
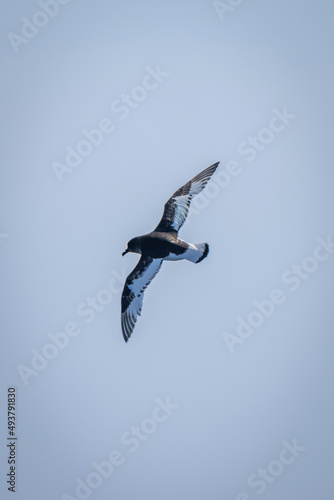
(159, 245)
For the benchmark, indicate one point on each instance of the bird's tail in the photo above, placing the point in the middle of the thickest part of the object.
(203, 250)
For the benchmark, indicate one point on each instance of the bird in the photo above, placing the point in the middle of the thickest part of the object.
(161, 244)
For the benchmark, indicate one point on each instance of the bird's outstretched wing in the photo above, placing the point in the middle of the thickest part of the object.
(132, 296)
(177, 207)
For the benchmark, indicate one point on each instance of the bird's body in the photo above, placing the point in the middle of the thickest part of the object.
(167, 246)
(162, 244)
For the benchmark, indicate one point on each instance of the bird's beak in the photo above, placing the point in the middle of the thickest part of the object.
(126, 251)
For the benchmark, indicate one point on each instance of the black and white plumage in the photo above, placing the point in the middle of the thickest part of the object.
(159, 245)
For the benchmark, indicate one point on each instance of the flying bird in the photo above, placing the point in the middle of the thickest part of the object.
(161, 244)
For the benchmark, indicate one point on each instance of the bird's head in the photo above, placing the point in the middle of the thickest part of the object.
(133, 246)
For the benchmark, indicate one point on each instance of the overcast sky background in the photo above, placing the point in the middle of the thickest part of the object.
(61, 243)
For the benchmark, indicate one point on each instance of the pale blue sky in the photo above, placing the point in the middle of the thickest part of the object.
(253, 90)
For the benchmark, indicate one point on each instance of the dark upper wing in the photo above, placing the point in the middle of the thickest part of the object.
(132, 296)
(177, 207)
